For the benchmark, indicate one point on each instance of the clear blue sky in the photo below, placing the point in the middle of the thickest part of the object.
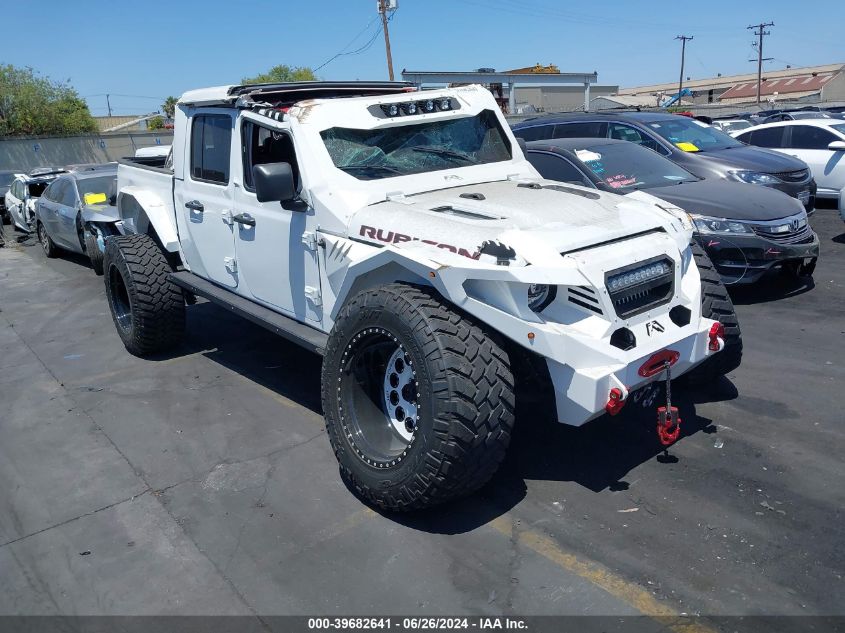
(157, 48)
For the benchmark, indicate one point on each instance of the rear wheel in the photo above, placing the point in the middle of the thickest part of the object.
(147, 307)
(46, 241)
(418, 400)
(716, 304)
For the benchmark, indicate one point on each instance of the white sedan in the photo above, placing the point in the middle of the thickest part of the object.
(818, 142)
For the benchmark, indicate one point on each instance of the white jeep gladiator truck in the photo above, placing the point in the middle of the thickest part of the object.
(403, 235)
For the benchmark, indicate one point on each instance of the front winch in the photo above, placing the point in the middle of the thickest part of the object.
(668, 418)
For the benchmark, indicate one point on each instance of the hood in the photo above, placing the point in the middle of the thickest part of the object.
(100, 213)
(731, 200)
(751, 158)
(543, 216)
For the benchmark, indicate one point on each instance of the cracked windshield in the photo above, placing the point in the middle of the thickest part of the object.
(417, 147)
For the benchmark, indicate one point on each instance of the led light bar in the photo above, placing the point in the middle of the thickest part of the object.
(637, 276)
(411, 108)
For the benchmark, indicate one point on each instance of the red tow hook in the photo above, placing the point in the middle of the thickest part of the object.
(717, 337)
(615, 402)
(668, 418)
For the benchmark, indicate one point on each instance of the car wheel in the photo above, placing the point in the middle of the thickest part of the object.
(418, 399)
(92, 249)
(147, 307)
(50, 248)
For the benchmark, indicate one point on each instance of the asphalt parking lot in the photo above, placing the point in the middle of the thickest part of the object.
(202, 482)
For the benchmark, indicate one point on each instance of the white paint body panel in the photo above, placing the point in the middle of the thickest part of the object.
(371, 232)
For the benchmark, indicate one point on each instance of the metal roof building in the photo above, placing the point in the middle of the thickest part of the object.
(827, 83)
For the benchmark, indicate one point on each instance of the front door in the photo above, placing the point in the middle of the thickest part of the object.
(204, 197)
(276, 255)
(809, 143)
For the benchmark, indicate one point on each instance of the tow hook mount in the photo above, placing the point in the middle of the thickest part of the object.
(668, 418)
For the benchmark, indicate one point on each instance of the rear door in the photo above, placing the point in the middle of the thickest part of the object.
(809, 143)
(204, 196)
(276, 249)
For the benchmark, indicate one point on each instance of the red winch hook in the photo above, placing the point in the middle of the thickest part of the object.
(668, 419)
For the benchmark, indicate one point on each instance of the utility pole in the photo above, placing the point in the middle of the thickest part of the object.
(684, 39)
(383, 7)
(760, 33)
(108, 104)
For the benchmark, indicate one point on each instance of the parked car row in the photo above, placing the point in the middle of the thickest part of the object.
(750, 206)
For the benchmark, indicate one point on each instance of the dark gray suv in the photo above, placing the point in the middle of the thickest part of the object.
(699, 148)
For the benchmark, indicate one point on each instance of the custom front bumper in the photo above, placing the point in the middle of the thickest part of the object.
(743, 259)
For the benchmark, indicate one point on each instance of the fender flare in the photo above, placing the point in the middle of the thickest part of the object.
(142, 211)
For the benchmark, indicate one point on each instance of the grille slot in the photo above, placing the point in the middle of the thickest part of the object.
(799, 233)
(793, 176)
(584, 297)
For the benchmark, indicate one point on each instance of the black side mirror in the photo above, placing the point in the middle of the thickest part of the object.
(522, 144)
(274, 182)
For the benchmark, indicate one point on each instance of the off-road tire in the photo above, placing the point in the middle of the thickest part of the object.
(465, 398)
(716, 304)
(147, 307)
(47, 243)
(92, 249)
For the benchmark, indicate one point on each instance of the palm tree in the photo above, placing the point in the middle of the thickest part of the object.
(169, 106)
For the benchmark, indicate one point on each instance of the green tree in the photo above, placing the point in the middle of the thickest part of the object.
(282, 73)
(156, 123)
(169, 107)
(34, 105)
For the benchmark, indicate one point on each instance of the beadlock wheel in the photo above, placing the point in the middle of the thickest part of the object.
(418, 398)
(378, 398)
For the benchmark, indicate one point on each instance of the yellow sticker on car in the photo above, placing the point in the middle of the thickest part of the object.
(687, 147)
(95, 198)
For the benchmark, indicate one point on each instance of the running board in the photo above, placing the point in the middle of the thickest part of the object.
(308, 337)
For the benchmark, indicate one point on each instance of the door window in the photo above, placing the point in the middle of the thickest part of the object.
(810, 137)
(262, 145)
(557, 168)
(581, 129)
(633, 135)
(534, 133)
(55, 190)
(211, 144)
(765, 137)
(69, 197)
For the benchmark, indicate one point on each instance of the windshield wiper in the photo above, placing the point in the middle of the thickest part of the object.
(442, 151)
(391, 170)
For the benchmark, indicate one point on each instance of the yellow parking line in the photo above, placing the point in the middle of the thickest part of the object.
(598, 575)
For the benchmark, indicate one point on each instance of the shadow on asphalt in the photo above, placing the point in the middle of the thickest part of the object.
(772, 287)
(596, 456)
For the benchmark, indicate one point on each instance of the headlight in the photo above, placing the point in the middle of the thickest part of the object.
(719, 225)
(754, 177)
(540, 295)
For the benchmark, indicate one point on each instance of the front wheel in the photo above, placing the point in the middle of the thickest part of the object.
(147, 307)
(418, 399)
(92, 249)
(46, 241)
(716, 304)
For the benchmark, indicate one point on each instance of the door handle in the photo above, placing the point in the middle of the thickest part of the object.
(244, 218)
(195, 205)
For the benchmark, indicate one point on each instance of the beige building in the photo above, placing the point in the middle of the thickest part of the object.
(811, 83)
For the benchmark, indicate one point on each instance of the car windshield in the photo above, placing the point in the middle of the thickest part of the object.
(733, 126)
(627, 167)
(693, 136)
(418, 147)
(6, 179)
(100, 184)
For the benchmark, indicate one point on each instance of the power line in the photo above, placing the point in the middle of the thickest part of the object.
(760, 32)
(342, 51)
